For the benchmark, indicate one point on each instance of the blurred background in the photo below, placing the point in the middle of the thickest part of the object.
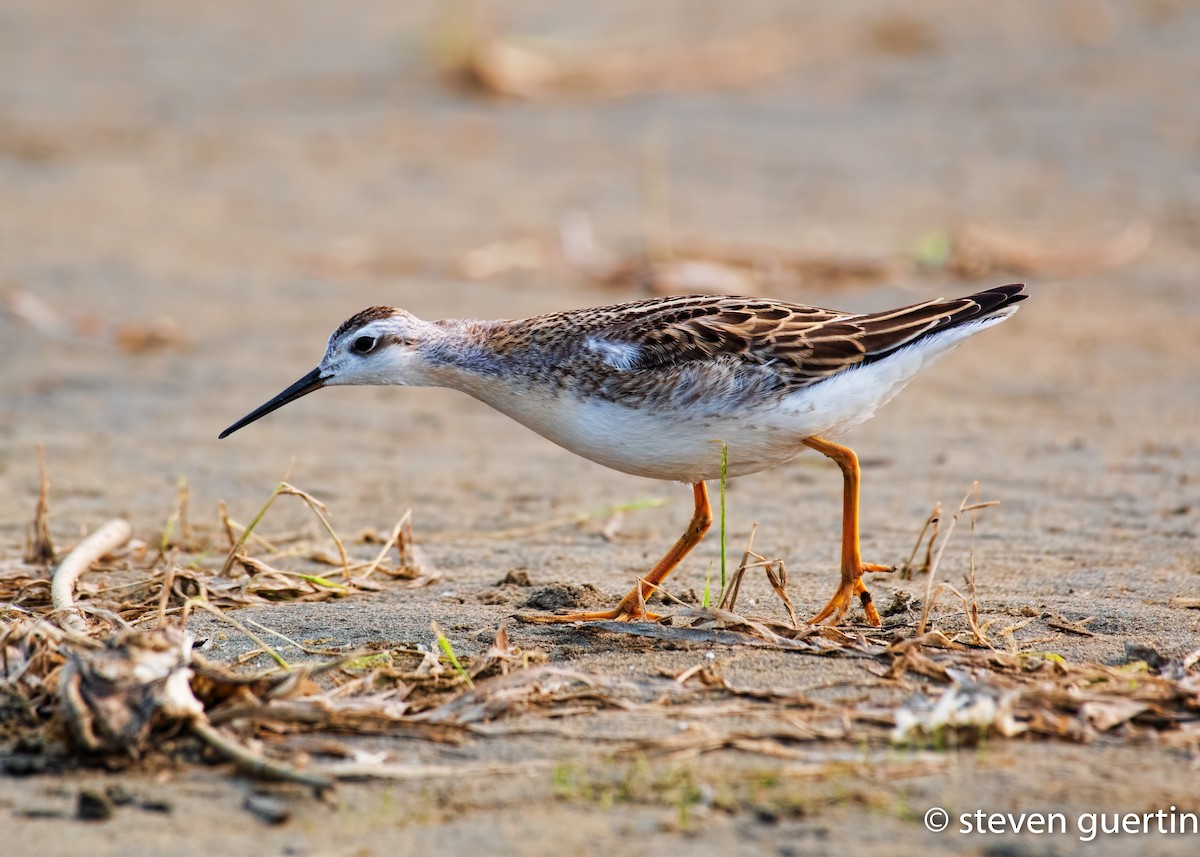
(194, 195)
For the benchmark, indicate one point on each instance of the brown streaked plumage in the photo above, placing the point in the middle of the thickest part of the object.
(655, 387)
(800, 345)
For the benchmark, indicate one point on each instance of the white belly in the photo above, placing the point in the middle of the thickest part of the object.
(684, 445)
(679, 446)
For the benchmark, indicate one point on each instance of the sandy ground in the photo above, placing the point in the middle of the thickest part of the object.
(258, 173)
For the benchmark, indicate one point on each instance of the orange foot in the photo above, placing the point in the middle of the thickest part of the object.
(853, 567)
(852, 585)
(633, 606)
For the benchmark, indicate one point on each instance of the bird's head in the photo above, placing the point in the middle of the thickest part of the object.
(376, 346)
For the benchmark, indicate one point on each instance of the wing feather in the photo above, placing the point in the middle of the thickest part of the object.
(801, 344)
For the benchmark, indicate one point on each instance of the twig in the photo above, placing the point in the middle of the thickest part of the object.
(658, 589)
(779, 584)
(392, 539)
(937, 558)
(319, 509)
(185, 524)
(972, 616)
(407, 556)
(176, 518)
(283, 637)
(62, 585)
(907, 569)
(223, 514)
(204, 605)
(164, 597)
(355, 770)
(253, 763)
(1061, 623)
(231, 557)
(735, 582)
(40, 546)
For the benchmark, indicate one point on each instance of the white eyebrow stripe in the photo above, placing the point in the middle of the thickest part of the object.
(619, 355)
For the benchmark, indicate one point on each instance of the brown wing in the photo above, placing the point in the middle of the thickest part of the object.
(809, 342)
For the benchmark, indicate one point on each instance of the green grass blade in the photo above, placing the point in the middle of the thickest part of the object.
(724, 477)
(448, 650)
(237, 546)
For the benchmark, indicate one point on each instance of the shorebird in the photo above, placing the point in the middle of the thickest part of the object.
(656, 387)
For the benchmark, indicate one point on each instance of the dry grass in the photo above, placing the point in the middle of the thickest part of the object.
(39, 546)
(117, 679)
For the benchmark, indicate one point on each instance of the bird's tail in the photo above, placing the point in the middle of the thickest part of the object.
(885, 332)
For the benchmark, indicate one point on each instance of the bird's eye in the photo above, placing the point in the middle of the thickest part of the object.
(364, 345)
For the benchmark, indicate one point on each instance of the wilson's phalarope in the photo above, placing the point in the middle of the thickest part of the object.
(647, 387)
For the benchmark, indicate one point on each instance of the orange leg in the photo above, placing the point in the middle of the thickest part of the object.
(633, 605)
(852, 565)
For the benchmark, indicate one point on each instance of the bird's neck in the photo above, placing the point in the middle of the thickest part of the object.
(459, 353)
(489, 359)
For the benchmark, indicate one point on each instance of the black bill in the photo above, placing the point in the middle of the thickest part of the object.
(311, 381)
